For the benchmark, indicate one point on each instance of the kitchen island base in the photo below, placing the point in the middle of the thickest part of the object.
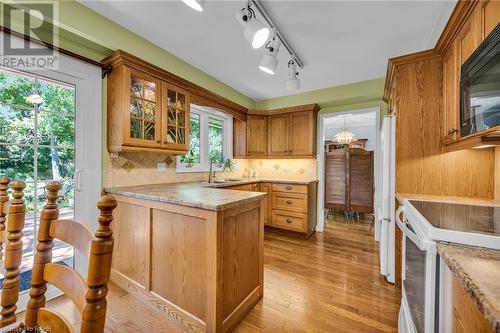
(202, 269)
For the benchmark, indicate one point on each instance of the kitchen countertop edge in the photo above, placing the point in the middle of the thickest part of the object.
(447, 251)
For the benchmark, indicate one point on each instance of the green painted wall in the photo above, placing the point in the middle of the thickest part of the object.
(354, 93)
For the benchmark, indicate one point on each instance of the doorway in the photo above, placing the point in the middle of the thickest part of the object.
(347, 165)
(50, 129)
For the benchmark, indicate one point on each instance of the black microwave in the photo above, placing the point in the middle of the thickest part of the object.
(480, 87)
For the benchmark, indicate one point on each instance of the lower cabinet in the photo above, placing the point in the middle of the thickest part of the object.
(466, 315)
(288, 206)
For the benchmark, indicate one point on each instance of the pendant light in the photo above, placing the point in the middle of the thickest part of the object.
(197, 5)
(345, 136)
(254, 30)
(269, 61)
(35, 97)
(293, 82)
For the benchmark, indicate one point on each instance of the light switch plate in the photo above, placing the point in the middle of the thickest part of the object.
(285, 167)
(161, 167)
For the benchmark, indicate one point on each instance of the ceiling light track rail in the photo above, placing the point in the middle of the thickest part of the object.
(260, 7)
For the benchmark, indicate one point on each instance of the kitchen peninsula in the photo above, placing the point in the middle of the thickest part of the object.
(193, 252)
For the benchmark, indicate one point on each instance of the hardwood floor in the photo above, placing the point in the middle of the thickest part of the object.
(329, 283)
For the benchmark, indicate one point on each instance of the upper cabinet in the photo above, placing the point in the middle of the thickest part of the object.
(145, 113)
(256, 133)
(470, 24)
(175, 126)
(288, 132)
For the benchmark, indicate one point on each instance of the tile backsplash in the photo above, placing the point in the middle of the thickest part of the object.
(130, 169)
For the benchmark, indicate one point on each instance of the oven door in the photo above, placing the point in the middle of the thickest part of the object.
(419, 279)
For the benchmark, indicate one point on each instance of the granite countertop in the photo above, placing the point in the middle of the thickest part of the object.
(458, 200)
(478, 270)
(199, 195)
(243, 181)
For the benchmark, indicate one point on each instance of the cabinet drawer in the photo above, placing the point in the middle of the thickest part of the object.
(290, 202)
(290, 221)
(292, 188)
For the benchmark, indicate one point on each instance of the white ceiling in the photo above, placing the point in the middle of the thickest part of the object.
(355, 119)
(339, 41)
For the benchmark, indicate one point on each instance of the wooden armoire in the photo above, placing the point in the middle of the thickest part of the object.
(349, 180)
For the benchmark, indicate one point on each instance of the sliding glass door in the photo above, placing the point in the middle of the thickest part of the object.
(37, 145)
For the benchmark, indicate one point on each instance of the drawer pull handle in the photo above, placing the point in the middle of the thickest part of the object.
(289, 220)
(289, 202)
(288, 187)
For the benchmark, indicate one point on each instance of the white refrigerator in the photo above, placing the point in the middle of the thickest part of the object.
(386, 198)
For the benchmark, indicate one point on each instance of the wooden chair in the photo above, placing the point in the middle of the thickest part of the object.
(88, 296)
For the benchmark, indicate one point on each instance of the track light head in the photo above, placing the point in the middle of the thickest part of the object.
(293, 82)
(197, 5)
(254, 30)
(269, 62)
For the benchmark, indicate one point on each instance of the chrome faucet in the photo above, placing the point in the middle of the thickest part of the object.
(211, 174)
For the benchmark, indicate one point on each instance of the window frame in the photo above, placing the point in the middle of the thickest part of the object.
(205, 113)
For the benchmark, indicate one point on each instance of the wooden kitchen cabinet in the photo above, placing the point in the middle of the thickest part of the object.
(278, 135)
(288, 132)
(477, 21)
(145, 113)
(256, 135)
(292, 134)
(302, 135)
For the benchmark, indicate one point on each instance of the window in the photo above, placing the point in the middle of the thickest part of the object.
(210, 138)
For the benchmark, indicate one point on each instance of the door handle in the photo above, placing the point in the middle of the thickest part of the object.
(77, 180)
(288, 187)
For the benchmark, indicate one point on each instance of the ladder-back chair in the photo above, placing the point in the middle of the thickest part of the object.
(89, 296)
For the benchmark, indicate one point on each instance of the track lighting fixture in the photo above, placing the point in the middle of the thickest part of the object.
(293, 82)
(269, 62)
(197, 5)
(254, 30)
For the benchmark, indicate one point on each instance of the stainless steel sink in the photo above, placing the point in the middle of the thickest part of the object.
(226, 180)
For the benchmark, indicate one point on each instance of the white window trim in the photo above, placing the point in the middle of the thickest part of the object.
(205, 113)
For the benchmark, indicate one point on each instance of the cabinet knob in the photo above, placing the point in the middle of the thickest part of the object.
(289, 220)
(165, 142)
(453, 131)
(289, 202)
(288, 187)
(158, 141)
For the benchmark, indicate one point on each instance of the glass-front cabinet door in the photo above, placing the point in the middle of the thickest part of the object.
(143, 127)
(175, 129)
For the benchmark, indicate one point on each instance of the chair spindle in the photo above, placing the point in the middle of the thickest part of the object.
(13, 255)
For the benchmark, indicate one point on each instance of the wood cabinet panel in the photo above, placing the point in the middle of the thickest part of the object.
(239, 138)
(178, 251)
(257, 135)
(244, 187)
(302, 140)
(490, 17)
(131, 229)
(240, 258)
(466, 315)
(451, 95)
(279, 133)
(292, 202)
(266, 207)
